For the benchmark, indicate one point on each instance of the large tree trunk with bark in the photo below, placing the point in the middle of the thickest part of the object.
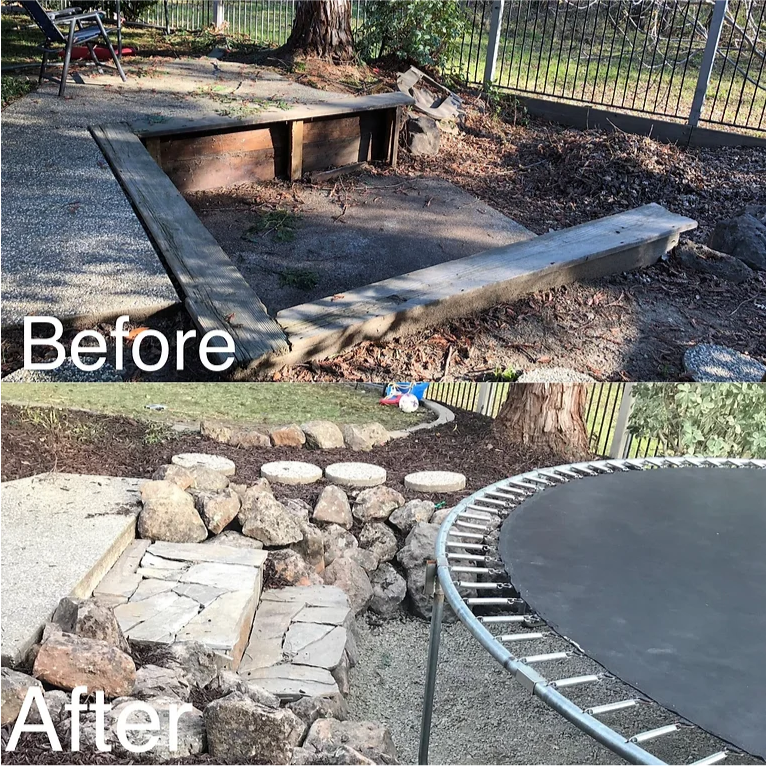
(323, 28)
(546, 416)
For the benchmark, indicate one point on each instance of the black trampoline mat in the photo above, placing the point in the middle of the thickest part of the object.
(660, 576)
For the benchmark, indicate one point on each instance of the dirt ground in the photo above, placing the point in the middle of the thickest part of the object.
(545, 176)
(79, 442)
(296, 243)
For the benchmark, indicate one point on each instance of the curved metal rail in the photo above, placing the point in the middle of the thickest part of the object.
(467, 559)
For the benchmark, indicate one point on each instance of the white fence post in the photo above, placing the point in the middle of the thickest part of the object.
(218, 17)
(483, 399)
(620, 438)
(708, 59)
(493, 43)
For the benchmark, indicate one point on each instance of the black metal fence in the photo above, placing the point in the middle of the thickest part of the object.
(641, 56)
(608, 432)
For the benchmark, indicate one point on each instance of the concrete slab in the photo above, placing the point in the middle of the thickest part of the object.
(73, 247)
(60, 535)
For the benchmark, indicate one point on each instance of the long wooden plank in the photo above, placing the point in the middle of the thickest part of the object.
(405, 303)
(341, 106)
(273, 137)
(217, 295)
(225, 170)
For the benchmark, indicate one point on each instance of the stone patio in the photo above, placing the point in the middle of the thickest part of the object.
(60, 534)
(168, 592)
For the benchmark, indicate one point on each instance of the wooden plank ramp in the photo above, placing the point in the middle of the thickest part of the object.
(406, 303)
(216, 294)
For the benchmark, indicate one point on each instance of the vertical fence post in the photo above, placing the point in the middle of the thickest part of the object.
(218, 17)
(493, 43)
(708, 59)
(620, 438)
(483, 399)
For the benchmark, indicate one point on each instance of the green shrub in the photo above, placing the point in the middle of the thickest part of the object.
(14, 88)
(425, 33)
(704, 419)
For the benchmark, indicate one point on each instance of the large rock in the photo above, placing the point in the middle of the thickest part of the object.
(90, 618)
(239, 730)
(309, 709)
(66, 660)
(333, 507)
(336, 540)
(362, 556)
(744, 237)
(352, 580)
(363, 438)
(194, 661)
(236, 434)
(169, 514)
(376, 504)
(311, 547)
(423, 136)
(227, 681)
(707, 261)
(371, 739)
(233, 539)
(213, 462)
(208, 480)
(287, 436)
(182, 477)
(380, 539)
(322, 434)
(419, 547)
(153, 681)
(13, 690)
(263, 517)
(411, 513)
(290, 568)
(217, 509)
(389, 589)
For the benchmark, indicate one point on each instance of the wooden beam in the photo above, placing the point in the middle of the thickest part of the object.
(216, 294)
(339, 107)
(296, 150)
(426, 297)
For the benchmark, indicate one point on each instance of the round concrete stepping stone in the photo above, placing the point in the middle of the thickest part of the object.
(355, 474)
(213, 462)
(708, 363)
(435, 481)
(291, 472)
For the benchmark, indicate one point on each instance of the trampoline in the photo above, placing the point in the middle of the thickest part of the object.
(651, 569)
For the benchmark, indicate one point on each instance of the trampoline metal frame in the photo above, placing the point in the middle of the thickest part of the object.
(477, 552)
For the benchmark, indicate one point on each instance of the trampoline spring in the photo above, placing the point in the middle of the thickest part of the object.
(489, 500)
(486, 585)
(469, 546)
(527, 619)
(645, 736)
(563, 683)
(475, 517)
(493, 601)
(469, 535)
(523, 485)
(473, 570)
(535, 658)
(714, 758)
(472, 526)
(612, 707)
(470, 557)
(512, 637)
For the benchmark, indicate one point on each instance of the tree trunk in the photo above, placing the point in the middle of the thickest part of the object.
(547, 416)
(323, 28)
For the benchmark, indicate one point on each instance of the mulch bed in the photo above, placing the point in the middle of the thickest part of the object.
(112, 446)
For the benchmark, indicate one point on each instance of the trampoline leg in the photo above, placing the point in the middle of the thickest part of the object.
(437, 611)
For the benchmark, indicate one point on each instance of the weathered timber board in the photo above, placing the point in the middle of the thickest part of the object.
(343, 106)
(217, 296)
(618, 243)
(273, 138)
(226, 170)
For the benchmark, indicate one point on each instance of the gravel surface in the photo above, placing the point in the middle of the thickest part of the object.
(74, 248)
(708, 363)
(67, 373)
(481, 715)
(554, 375)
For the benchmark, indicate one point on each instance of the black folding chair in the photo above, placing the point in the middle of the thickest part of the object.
(79, 29)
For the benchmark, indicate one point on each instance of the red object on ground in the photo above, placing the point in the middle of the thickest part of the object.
(102, 54)
(391, 399)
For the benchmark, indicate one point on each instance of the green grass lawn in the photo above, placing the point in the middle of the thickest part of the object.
(257, 403)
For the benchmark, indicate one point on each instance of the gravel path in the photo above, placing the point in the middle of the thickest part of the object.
(73, 247)
(480, 714)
